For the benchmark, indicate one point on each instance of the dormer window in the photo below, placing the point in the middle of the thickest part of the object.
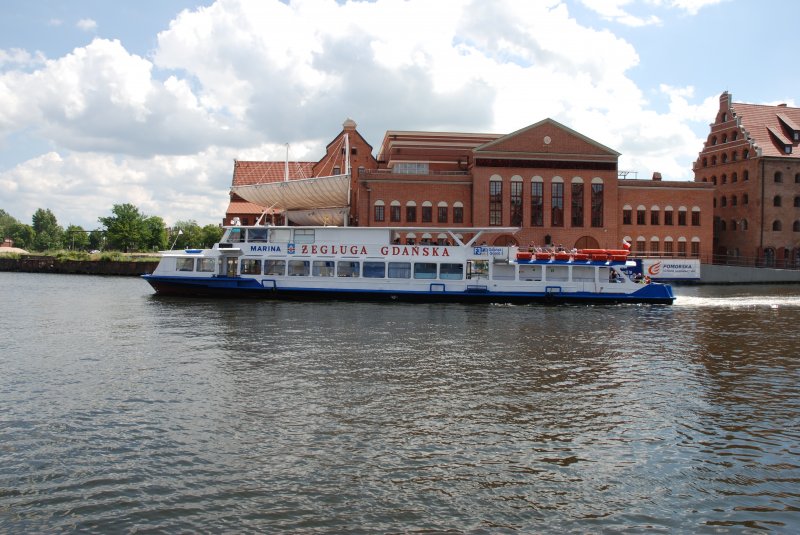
(787, 149)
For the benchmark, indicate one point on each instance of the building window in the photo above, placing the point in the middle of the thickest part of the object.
(410, 168)
(516, 203)
(744, 224)
(597, 205)
(537, 205)
(745, 198)
(797, 178)
(411, 213)
(442, 213)
(796, 226)
(723, 179)
(668, 216)
(695, 249)
(655, 215)
(681, 248)
(576, 204)
(654, 247)
(379, 211)
(640, 215)
(427, 212)
(776, 201)
(734, 178)
(724, 159)
(745, 154)
(394, 212)
(776, 225)
(668, 247)
(458, 213)
(557, 198)
(723, 202)
(733, 224)
(778, 177)
(627, 218)
(695, 218)
(682, 217)
(641, 246)
(797, 202)
(734, 200)
(495, 202)
(734, 135)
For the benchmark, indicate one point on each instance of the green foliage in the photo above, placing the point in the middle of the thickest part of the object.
(187, 235)
(211, 235)
(48, 232)
(125, 229)
(75, 238)
(97, 240)
(156, 234)
(6, 221)
(22, 234)
(73, 255)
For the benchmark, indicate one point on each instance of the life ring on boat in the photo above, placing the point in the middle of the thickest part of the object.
(647, 279)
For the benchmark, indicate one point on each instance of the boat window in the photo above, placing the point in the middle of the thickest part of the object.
(184, 264)
(451, 271)
(251, 266)
(274, 267)
(375, 270)
(347, 268)
(298, 268)
(257, 235)
(477, 268)
(530, 273)
(399, 270)
(583, 273)
(503, 272)
(557, 273)
(205, 265)
(281, 235)
(304, 235)
(236, 235)
(423, 270)
(323, 268)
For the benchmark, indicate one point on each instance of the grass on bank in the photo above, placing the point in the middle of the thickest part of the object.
(105, 256)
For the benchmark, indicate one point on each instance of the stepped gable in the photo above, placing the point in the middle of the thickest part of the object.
(547, 139)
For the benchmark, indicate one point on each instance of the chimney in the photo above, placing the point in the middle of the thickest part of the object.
(656, 176)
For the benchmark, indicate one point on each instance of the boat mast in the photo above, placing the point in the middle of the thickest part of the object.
(349, 178)
(286, 165)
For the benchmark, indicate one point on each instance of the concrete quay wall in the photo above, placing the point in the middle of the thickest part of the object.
(46, 264)
(715, 274)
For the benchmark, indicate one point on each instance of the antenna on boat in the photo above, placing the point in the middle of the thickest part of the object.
(286, 165)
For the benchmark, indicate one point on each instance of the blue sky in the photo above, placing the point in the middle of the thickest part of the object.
(150, 101)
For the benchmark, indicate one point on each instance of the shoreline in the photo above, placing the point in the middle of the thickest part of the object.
(51, 264)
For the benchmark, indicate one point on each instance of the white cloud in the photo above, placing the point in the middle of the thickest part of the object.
(240, 78)
(87, 25)
(620, 10)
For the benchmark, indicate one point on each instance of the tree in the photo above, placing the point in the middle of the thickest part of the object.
(75, 238)
(189, 235)
(97, 240)
(48, 232)
(211, 235)
(22, 234)
(6, 220)
(125, 230)
(155, 234)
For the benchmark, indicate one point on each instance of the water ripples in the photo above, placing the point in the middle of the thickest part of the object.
(135, 413)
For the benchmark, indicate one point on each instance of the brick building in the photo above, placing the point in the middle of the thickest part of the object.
(751, 155)
(556, 185)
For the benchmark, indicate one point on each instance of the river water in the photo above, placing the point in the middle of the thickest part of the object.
(125, 412)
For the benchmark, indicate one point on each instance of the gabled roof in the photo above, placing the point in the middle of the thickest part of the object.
(537, 139)
(769, 127)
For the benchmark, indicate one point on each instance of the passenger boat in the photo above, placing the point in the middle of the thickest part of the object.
(306, 262)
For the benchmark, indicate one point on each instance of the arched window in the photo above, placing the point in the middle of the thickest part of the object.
(705, 162)
(557, 202)
(427, 211)
(597, 202)
(745, 175)
(745, 198)
(734, 177)
(734, 135)
(745, 154)
(394, 211)
(695, 216)
(714, 180)
(776, 225)
(797, 178)
(724, 158)
(681, 246)
(723, 179)
(743, 225)
(668, 215)
(640, 215)
(379, 211)
(722, 225)
(641, 245)
(682, 216)
(695, 247)
(724, 138)
(713, 140)
(411, 212)
(733, 224)
(655, 215)
(441, 212)
(458, 212)
(654, 246)
(713, 160)
(796, 226)
(734, 200)
(734, 155)
(769, 257)
(576, 202)
(667, 246)
(537, 202)
(797, 201)
(627, 212)
(778, 176)
(516, 201)
(723, 201)
(776, 200)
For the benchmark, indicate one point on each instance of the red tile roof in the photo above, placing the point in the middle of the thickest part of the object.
(770, 127)
(246, 173)
(243, 207)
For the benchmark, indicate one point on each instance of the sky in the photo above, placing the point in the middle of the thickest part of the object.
(149, 102)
